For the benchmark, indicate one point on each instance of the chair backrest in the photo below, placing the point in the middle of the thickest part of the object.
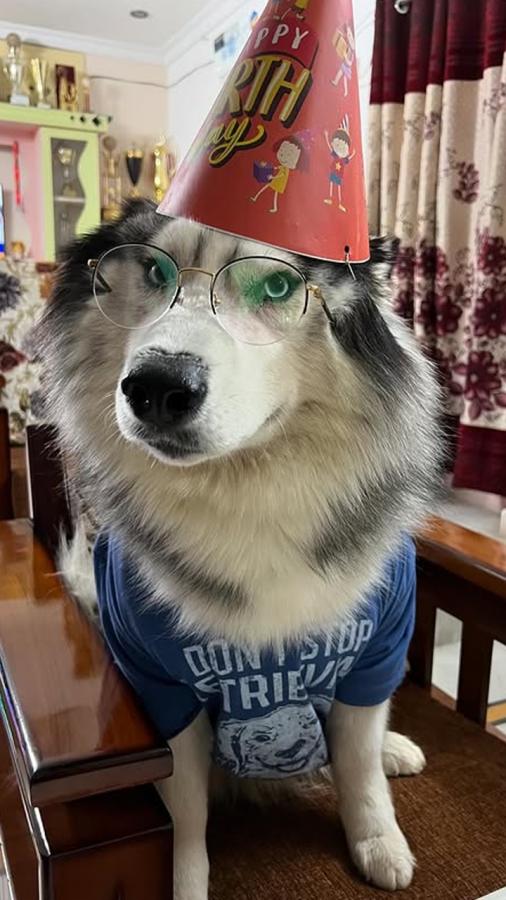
(464, 574)
(6, 509)
(48, 486)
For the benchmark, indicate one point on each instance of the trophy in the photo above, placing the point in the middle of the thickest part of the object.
(67, 157)
(161, 175)
(86, 92)
(66, 88)
(164, 171)
(39, 69)
(111, 182)
(14, 70)
(134, 159)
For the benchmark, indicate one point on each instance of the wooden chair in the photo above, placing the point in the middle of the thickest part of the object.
(6, 510)
(79, 816)
(463, 573)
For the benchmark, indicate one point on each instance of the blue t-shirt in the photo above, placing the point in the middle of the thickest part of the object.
(267, 708)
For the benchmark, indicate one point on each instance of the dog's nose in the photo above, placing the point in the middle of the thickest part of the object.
(166, 390)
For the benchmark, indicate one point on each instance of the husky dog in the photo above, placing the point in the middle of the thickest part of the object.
(256, 488)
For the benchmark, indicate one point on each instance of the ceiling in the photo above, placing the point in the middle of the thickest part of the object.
(107, 20)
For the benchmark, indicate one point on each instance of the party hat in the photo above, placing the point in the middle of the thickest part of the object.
(279, 157)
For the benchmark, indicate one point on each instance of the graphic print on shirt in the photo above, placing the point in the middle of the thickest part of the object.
(286, 741)
(272, 705)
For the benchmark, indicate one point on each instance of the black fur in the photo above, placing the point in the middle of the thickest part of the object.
(149, 543)
(138, 222)
(364, 335)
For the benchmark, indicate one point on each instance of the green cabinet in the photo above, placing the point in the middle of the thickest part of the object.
(71, 185)
(59, 154)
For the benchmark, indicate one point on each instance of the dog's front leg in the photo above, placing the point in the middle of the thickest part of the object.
(377, 844)
(186, 796)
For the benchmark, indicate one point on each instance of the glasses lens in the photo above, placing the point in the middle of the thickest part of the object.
(134, 285)
(258, 301)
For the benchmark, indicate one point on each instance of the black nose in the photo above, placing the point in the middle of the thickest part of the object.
(166, 390)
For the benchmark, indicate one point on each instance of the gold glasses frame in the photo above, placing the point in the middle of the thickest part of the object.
(99, 284)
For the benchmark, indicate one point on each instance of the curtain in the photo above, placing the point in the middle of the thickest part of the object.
(437, 180)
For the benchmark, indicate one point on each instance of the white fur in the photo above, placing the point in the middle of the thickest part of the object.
(401, 756)
(377, 845)
(75, 563)
(186, 795)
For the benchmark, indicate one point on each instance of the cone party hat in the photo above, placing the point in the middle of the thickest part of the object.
(279, 157)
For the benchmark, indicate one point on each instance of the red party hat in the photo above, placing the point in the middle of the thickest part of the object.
(279, 157)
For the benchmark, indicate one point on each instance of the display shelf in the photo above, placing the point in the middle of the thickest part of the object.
(78, 201)
(32, 116)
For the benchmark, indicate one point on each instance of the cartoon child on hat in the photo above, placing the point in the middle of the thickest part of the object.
(344, 43)
(297, 6)
(291, 153)
(339, 145)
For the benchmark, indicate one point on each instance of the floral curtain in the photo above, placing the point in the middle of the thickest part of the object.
(437, 179)
(21, 305)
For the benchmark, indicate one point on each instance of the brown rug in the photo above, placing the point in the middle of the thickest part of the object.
(454, 816)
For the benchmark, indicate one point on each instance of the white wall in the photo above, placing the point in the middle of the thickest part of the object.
(194, 80)
(135, 94)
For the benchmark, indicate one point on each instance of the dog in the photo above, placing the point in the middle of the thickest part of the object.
(253, 502)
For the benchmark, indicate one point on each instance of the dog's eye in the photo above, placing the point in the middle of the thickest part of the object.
(262, 738)
(277, 287)
(160, 272)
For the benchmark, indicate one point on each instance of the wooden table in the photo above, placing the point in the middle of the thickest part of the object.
(79, 816)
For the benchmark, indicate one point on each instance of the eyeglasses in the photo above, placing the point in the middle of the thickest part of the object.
(256, 299)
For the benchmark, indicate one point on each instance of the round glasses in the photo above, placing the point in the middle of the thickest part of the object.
(256, 299)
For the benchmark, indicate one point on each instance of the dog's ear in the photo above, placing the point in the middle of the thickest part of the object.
(384, 252)
(358, 316)
(136, 206)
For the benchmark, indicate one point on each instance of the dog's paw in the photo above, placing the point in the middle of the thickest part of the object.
(385, 860)
(401, 756)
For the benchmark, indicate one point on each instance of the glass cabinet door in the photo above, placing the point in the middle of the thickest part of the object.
(68, 190)
(71, 175)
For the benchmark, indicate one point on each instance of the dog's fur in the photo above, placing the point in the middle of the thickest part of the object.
(307, 462)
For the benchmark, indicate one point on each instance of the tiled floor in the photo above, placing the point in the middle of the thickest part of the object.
(486, 521)
(446, 669)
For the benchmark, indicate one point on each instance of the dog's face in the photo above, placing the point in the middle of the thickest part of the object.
(187, 390)
(184, 389)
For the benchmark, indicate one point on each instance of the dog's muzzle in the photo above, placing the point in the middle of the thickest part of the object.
(166, 390)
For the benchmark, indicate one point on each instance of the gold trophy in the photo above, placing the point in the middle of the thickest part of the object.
(164, 171)
(86, 92)
(134, 159)
(67, 159)
(111, 180)
(66, 88)
(39, 69)
(161, 174)
(14, 70)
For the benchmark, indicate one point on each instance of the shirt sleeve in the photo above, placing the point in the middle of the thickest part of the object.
(381, 668)
(171, 705)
